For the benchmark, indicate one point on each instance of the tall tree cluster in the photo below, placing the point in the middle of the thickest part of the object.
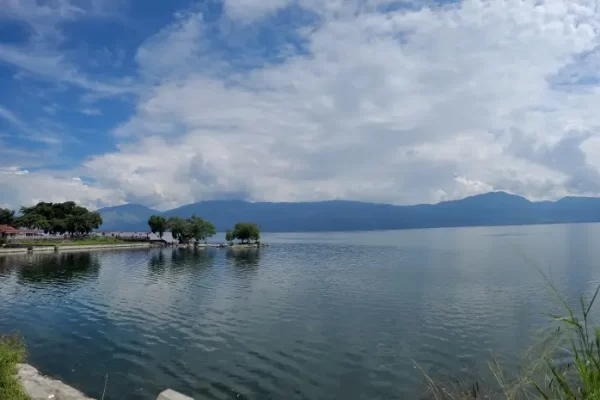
(243, 231)
(158, 225)
(59, 218)
(183, 230)
(7, 217)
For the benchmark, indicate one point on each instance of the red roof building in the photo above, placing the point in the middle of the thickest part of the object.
(10, 232)
(5, 229)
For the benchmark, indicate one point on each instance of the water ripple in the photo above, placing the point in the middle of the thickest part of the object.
(327, 317)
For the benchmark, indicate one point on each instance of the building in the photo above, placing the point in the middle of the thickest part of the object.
(8, 232)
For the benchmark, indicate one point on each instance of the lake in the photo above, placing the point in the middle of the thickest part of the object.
(314, 316)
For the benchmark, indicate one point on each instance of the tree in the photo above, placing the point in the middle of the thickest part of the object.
(158, 225)
(246, 231)
(178, 229)
(193, 228)
(60, 218)
(7, 217)
(201, 229)
(229, 236)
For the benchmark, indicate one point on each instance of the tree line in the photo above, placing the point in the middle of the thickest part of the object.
(72, 219)
(198, 229)
(53, 218)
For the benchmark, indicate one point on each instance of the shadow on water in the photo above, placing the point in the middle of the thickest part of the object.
(178, 262)
(244, 258)
(6, 265)
(184, 256)
(157, 263)
(60, 268)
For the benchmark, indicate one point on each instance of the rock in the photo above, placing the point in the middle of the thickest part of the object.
(40, 387)
(172, 395)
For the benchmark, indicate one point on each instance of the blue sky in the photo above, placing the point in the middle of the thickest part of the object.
(169, 102)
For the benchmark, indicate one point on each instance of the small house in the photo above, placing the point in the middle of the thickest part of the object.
(8, 232)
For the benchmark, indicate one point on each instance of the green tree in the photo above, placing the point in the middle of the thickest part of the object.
(158, 225)
(7, 217)
(229, 236)
(193, 228)
(178, 229)
(201, 229)
(246, 231)
(60, 218)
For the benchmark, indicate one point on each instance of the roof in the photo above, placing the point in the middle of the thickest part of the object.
(8, 229)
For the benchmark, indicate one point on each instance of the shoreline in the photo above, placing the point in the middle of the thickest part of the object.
(124, 246)
(38, 386)
(41, 387)
(236, 246)
(71, 248)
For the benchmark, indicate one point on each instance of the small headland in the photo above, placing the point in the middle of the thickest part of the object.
(231, 246)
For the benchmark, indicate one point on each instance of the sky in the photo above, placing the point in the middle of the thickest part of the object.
(165, 103)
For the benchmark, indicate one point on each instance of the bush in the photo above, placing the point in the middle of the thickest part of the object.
(12, 352)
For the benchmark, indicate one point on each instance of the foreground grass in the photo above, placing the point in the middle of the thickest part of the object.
(12, 352)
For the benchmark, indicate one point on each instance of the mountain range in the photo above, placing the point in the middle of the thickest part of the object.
(489, 209)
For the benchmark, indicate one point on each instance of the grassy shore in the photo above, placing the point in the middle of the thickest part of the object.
(12, 352)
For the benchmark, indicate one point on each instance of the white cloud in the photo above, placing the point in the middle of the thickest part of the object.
(26, 131)
(42, 56)
(413, 104)
(50, 64)
(249, 10)
(91, 111)
(384, 107)
(13, 170)
(21, 187)
(174, 48)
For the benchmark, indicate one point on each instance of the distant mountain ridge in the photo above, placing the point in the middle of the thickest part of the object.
(488, 209)
(126, 218)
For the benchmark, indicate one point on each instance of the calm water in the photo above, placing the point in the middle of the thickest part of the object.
(315, 316)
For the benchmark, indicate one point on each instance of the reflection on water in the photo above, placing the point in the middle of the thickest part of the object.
(314, 316)
(199, 256)
(61, 268)
(244, 257)
(157, 262)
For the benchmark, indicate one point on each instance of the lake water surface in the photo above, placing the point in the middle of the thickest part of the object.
(314, 316)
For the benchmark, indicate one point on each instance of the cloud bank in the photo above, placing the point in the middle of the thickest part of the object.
(382, 101)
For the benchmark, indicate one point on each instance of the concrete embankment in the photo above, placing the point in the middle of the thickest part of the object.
(13, 251)
(46, 249)
(105, 247)
(40, 387)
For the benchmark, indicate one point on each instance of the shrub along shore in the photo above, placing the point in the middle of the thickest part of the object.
(12, 353)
